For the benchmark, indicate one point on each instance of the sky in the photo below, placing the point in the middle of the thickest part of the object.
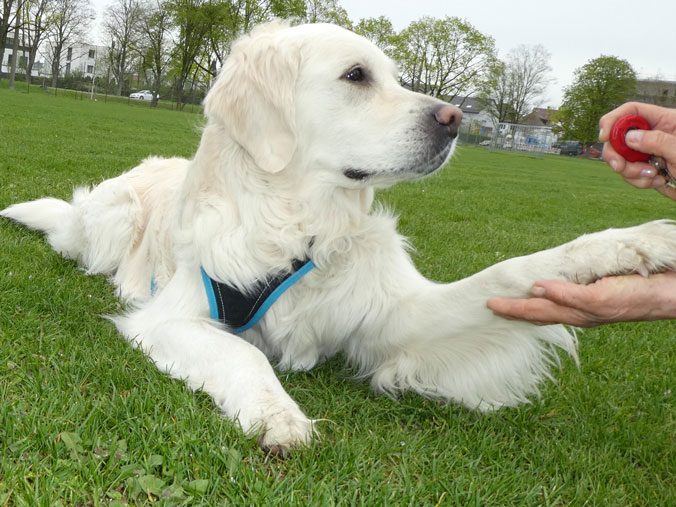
(643, 32)
(573, 31)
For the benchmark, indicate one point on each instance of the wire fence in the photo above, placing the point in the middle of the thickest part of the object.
(528, 138)
(102, 96)
(473, 134)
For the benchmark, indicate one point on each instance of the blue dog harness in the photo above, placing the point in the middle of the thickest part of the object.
(241, 311)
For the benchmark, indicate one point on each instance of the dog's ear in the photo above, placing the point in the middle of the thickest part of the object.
(253, 97)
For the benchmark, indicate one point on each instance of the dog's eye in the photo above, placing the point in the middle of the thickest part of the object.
(356, 74)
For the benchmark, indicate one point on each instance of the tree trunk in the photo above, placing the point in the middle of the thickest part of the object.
(15, 50)
(31, 62)
(179, 94)
(156, 91)
(4, 28)
(56, 60)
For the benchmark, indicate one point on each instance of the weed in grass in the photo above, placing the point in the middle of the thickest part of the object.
(86, 419)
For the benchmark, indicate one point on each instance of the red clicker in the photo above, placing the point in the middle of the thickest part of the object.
(618, 140)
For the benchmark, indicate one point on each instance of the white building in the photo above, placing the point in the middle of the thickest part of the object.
(86, 59)
(475, 116)
(22, 51)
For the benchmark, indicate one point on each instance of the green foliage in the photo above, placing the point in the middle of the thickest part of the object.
(195, 20)
(326, 11)
(600, 85)
(85, 419)
(379, 31)
(444, 57)
(284, 9)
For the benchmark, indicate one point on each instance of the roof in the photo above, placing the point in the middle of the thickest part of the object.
(539, 116)
(468, 104)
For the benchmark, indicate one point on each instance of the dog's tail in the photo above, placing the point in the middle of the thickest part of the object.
(98, 227)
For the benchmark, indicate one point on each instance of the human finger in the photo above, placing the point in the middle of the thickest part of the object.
(608, 120)
(647, 182)
(655, 142)
(638, 174)
(541, 312)
(634, 170)
(613, 159)
(667, 192)
(654, 114)
(570, 294)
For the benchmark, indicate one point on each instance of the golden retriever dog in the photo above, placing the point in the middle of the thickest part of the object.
(266, 247)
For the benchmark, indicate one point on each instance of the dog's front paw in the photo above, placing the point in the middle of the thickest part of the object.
(279, 423)
(644, 249)
(284, 431)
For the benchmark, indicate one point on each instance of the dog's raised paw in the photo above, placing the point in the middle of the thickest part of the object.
(644, 249)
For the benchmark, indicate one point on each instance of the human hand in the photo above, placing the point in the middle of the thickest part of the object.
(611, 299)
(661, 141)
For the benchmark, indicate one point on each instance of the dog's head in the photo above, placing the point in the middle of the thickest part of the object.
(320, 98)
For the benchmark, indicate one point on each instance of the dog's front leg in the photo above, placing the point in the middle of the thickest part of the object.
(236, 374)
(442, 341)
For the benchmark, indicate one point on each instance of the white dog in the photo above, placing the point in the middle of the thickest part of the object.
(303, 123)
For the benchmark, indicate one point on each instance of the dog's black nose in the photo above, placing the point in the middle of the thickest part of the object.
(449, 116)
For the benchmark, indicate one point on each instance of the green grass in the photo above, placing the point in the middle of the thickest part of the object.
(36, 88)
(84, 419)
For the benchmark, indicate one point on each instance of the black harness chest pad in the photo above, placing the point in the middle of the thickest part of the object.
(239, 310)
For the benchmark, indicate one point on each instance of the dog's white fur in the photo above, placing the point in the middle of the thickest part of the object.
(268, 185)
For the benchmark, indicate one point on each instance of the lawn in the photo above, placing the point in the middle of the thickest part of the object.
(41, 88)
(84, 419)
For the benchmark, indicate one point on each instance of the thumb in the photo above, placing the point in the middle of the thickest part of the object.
(655, 142)
(569, 294)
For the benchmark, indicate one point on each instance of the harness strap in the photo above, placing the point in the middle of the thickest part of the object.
(241, 311)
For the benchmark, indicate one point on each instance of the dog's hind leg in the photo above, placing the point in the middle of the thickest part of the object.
(97, 228)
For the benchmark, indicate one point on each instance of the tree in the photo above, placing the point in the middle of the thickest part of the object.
(155, 25)
(599, 86)
(69, 23)
(205, 30)
(326, 11)
(516, 86)
(444, 57)
(379, 31)
(7, 19)
(194, 20)
(15, 44)
(122, 25)
(38, 21)
(496, 92)
(236, 17)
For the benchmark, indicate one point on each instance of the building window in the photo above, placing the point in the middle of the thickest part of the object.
(68, 68)
(70, 54)
(92, 53)
(90, 69)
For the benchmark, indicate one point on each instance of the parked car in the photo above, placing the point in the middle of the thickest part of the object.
(485, 142)
(573, 148)
(143, 95)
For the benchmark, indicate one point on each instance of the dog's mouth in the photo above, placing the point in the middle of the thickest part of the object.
(427, 167)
